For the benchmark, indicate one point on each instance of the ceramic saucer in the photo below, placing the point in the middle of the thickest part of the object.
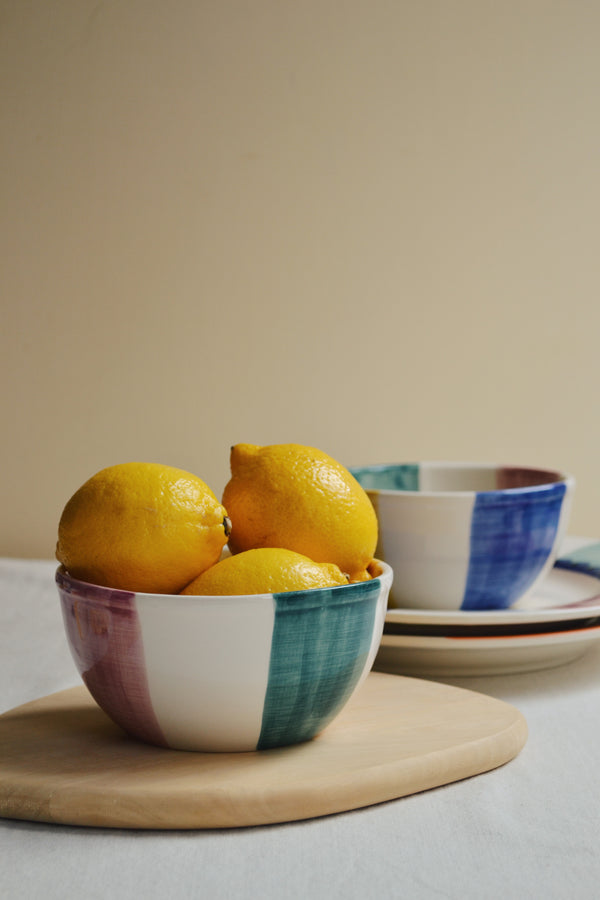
(554, 625)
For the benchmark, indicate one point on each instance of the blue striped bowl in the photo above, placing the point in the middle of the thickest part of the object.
(224, 673)
(466, 536)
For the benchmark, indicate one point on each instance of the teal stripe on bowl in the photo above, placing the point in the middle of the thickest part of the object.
(319, 649)
(393, 477)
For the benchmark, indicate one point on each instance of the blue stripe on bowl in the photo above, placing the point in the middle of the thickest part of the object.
(319, 650)
(511, 538)
(388, 477)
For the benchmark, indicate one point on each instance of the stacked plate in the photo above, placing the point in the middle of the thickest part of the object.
(555, 624)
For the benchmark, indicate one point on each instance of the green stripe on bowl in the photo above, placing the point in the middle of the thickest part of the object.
(321, 641)
(392, 477)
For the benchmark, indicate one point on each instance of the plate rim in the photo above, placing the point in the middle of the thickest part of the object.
(483, 642)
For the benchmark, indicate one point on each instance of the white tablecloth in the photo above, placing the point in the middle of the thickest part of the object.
(528, 829)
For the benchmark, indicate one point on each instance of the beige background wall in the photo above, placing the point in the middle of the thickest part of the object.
(367, 226)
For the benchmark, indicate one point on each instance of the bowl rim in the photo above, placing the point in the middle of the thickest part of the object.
(559, 477)
(66, 581)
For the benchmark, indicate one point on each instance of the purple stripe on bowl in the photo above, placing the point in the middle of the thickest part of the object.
(516, 477)
(106, 642)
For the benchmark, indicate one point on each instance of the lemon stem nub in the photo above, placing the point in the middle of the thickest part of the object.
(227, 526)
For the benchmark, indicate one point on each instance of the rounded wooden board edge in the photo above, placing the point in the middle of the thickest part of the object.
(369, 755)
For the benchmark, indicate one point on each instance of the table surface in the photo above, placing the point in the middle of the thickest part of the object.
(528, 829)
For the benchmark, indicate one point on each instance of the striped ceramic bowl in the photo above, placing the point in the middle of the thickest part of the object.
(466, 536)
(224, 673)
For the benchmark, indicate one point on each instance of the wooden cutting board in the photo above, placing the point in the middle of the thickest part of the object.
(63, 761)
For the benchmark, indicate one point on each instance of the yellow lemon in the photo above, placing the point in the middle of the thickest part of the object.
(265, 571)
(288, 495)
(141, 527)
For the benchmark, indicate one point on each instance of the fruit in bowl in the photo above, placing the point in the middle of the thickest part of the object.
(265, 570)
(141, 526)
(288, 495)
(251, 645)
